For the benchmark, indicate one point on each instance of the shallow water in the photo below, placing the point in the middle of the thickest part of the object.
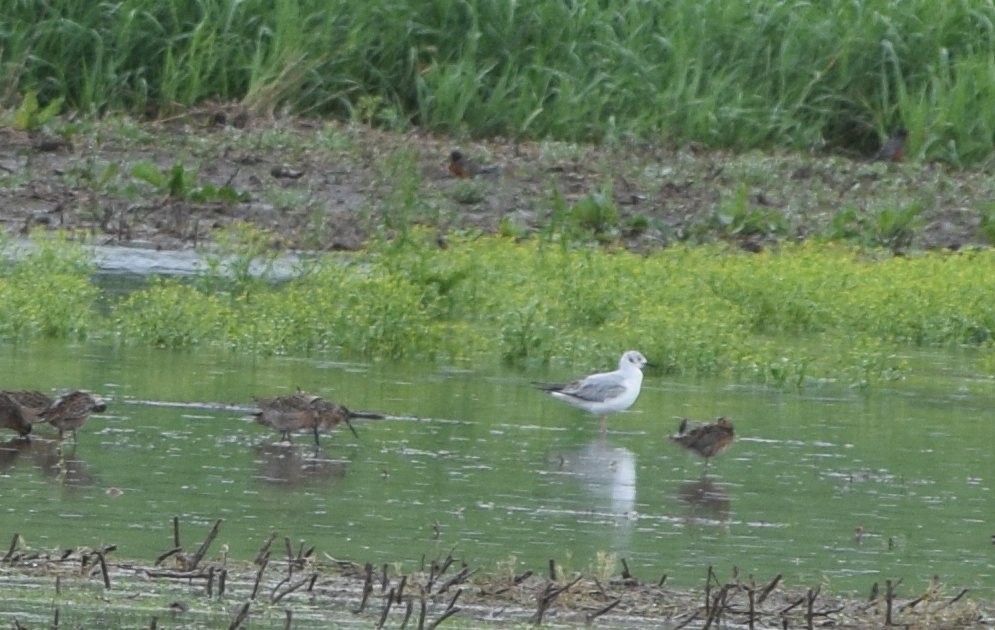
(480, 461)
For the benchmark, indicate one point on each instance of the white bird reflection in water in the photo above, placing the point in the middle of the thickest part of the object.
(290, 465)
(606, 473)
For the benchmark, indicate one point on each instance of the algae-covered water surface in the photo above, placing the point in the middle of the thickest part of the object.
(823, 486)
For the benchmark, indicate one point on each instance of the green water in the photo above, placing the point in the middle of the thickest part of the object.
(479, 461)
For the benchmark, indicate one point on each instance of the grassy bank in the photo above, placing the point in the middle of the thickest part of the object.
(787, 317)
(771, 73)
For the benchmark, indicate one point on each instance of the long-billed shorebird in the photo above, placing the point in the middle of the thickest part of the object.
(606, 392)
(70, 411)
(301, 410)
(706, 440)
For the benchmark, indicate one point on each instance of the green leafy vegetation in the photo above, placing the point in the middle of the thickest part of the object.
(178, 182)
(30, 116)
(805, 314)
(45, 291)
(769, 73)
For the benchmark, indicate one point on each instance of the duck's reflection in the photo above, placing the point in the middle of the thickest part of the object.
(290, 465)
(606, 473)
(705, 499)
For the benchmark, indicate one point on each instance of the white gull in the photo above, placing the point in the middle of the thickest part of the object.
(605, 392)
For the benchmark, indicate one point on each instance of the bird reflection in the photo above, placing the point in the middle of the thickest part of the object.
(705, 499)
(607, 474)
(285, 464)
(11, 450)
(61, 465)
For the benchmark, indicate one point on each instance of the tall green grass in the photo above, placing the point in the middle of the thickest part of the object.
(738, 74)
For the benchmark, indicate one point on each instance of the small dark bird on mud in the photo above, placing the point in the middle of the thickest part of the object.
(893, 150)
(305, 411)
(706, 440)
(71, 411)
(465, 168)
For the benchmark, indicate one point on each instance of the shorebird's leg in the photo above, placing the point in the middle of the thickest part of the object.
(604, 424)
(316, 443)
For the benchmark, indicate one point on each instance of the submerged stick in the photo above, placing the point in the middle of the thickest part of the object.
(176, 575)
(718, 605)
(259, 577)
(290, 589)
(197, 557)
(768, 589)
(625, 570)
(889, 595)
(400, 588)
(752, 594)
(421, 613)
(451, 610)
(591, 617)
(162, 557)
(263, 554)
(241, 617)
(459, 578)
(957, 597)
(693, 617)
(407, 613)
(810, 603)
(13, 547)
(549, 594)
(386, 609)
(367, 588)
(103, 570)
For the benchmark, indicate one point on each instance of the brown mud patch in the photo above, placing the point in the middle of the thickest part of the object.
(326, 185)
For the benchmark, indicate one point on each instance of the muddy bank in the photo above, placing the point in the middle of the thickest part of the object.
(318, 185)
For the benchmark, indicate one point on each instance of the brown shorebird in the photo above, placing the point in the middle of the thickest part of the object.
(305, 411)
(11, 416)
(32, 403)
(606, 392)
(71, 410)
(707, 440)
